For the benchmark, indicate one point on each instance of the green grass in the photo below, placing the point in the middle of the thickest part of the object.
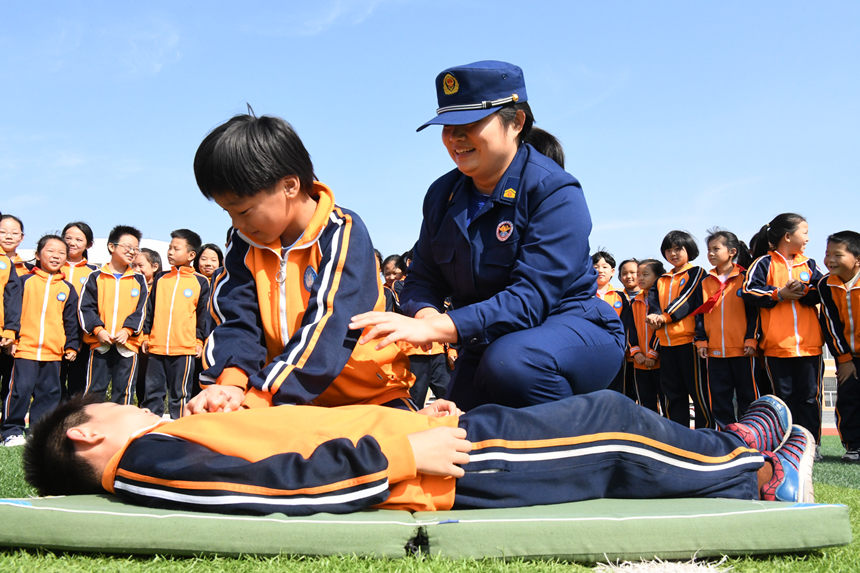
(835, 482)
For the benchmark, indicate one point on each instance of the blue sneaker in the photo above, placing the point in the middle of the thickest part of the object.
(792, 469)
(765, 426)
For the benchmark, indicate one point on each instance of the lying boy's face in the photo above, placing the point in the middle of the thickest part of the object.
(117, 421)
(262, 217)
(179, 253)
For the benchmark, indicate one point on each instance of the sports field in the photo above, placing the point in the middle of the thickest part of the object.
(835, 482)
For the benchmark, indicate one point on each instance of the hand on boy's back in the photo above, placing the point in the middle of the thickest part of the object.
(440, 451)
(440, 407)
(216, 398)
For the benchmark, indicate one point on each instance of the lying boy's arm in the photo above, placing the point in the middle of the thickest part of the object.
(158, 470)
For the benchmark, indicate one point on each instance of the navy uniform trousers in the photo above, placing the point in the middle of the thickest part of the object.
(173, 375)
(30, 379)
(574, 352)
(593, 446)
(114, 369)
(848, 410)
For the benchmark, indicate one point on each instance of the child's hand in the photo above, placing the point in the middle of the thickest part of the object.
(198, 351)
(703, 352)
(451, 357)
(438, 451)
(639, 358)
(215, 398)
(104, 337)
(792, 290)
(121, 336)
(845, 371)
(655, 320)
(70, 355)
(4, 342)
(749, 350)
(650, 362)
(144, 347)
(441, 408)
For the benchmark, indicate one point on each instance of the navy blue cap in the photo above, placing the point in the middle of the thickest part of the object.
(474, 91)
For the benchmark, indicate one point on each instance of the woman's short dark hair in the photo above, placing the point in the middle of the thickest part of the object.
(248, 154)
(680, 239)
(508, 114)
(51, 464)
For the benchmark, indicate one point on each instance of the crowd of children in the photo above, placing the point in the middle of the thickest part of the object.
(755, 323)
(72, 328)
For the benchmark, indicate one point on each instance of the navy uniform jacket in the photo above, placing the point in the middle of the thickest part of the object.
(524, 256)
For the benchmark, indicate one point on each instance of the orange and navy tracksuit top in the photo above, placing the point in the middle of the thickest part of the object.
(304, 461)
(676, 296)
(77, 273)
(725, 323)
(615, 298)
(840, 317)
(49, 321)
(21, 266)
(10, 298)
(176, 315)
(787, 328)
(641, 337)
(108, 302)
(282, 317)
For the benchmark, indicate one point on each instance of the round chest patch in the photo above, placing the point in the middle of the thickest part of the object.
(3, 265)
(309, 278)
(682, 282)
(82, 280)
(804, 276)
(61, 296)
(617, 304)
(135, 292)
(187, 293)
(740, 292)
(504, 230)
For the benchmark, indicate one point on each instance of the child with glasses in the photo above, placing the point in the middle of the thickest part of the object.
(111, 312)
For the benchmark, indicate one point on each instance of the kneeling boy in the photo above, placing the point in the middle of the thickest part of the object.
(300, 460)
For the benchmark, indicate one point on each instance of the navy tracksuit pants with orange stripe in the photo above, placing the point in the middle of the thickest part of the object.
(596, 445)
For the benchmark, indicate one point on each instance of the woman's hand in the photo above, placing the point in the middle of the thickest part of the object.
(393, 327)
(440, 408)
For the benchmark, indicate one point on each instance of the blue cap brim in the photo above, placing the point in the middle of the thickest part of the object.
(460, 117)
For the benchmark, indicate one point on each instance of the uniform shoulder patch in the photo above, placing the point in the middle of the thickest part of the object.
(509, 193)
(309, 278)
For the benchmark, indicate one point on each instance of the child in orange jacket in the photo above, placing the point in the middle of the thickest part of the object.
(643, 344)
(79, 238)
(48, 335)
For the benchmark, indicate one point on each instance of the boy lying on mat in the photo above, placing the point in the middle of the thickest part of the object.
(299, 460)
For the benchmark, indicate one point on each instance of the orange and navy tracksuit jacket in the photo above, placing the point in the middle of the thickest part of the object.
(112, 303)
(77, 273)
(676, 296)
(641, 337)
(725, 323)
(49, 321)
(615, 298)
(10, 298)
(21, 266)
(787, 328)
(176, 316)
(282, 317)
(306, 460)
(840, 317)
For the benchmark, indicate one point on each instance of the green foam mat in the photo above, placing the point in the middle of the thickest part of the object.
(595, 530)
(586, 531)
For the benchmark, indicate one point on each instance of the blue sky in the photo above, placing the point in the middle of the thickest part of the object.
(673, 114)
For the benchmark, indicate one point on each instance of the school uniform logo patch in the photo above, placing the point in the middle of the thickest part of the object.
(617, 304)
(804, 276)
(135, 292)
(504, 230)
(740, 292)
(309, 278)
(3, 265)
(682, 282)
(187, 293)
(509, 193)
(82, 280)
(450, 85)
(61, 296)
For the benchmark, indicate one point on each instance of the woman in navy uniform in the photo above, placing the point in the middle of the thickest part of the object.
(505, 235)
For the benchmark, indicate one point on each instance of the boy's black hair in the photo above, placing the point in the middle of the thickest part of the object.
(193, 239)
(43, 240)
(51, 464)
(656, 266)
(769, 235)
(5, 216)
(153, 257)
(83, 228)
(121, 230)
(248, 154)
(680, 239)
(851, 240)
(731, 241)
(211, 247)
(606, 256)
(631, 260)
(547, 144)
